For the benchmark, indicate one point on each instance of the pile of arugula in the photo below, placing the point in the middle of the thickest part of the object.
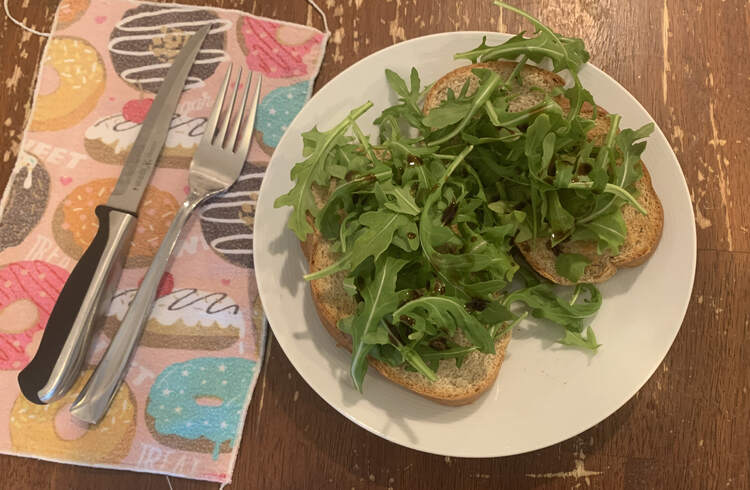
(426, 220)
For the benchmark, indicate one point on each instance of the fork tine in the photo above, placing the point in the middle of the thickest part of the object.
(232, 139)
(210, 131)
(247, 133)
(224, 124)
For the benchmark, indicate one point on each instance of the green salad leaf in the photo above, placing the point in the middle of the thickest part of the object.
(444, 312)
(366, 328)
(312, 171)
(425, 220)
(571, 266)
(607, 230)
(576, 339)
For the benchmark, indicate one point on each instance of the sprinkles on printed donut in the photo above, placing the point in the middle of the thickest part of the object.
(271, 55)
(81, 80)
(277, 110)
(74, 223)
(24, 201)
(32, 284)
(197, 405)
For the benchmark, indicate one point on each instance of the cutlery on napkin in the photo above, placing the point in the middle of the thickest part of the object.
(88, 290)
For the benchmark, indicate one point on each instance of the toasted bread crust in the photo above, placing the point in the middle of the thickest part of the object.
(470, 395)
(644, 232)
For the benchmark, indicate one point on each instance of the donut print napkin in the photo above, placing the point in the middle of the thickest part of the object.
(182, 408)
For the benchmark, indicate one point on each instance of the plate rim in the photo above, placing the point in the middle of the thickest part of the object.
(692, 243)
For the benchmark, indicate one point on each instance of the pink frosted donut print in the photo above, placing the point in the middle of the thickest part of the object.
(28, 291)
(275, 49)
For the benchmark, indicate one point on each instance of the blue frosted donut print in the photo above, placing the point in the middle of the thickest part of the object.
(172, 399)
(277, 110)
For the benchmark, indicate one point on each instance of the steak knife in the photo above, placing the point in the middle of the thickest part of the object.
(88, 290)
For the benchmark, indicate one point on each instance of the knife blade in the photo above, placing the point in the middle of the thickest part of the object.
(58, 361)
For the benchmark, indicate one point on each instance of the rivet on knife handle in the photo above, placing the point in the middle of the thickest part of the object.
(88, 288)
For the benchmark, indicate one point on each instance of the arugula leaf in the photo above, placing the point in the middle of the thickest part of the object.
(311, 171)
(560, 220)
(407, 237)
(611, 189)
(410, 96)
(387, 353)
(328, 220)
(415, 360)
(379, 299)
(482, 95)
(449, 112)
(449, 353)
(627, 172)
(379, 228)
(565, 53)
(403, 200)
(600, 174)
(563, 174)
(571, 266)
(576, 339)
(428, 229)
(544, 303)
(495, 313)
(408, 106)
(448, 313)
(378, 336)
(534, 147)
(608, 231)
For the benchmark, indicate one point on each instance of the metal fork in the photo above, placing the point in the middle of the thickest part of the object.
(217, 163)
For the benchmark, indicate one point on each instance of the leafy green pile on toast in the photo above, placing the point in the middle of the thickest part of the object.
(425, 221)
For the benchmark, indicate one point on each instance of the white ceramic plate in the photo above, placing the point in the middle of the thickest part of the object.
(544, 393)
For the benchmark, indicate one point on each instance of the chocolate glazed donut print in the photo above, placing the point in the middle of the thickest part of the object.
(147, 38)
(23, 204)
(227, 221)
(184, 318)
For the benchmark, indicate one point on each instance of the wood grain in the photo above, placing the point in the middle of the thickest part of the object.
(688, 63)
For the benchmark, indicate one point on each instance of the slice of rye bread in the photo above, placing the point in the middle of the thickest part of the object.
(644, 232)
(454, 386)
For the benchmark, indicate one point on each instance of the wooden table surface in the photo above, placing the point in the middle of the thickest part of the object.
(688, 63)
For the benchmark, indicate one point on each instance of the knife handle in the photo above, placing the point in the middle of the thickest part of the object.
(96, 396)
(86, 295)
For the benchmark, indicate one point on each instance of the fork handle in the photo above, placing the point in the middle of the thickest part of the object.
(95, 398)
